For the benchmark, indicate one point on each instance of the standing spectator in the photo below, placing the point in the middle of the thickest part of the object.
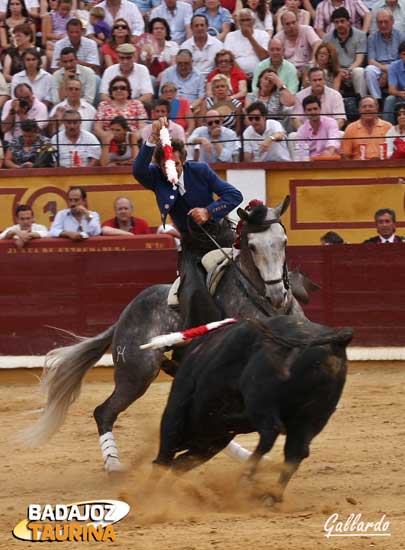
(121, 9)
(25, 106)
(219, 18)
(248, 44)
(25, 229)
(119, 103)
(25, 150)
(303, 16)
(273, 93)
(385, 222)
(124, 222)
(54, 26)
(285, 70)
(178, 15)
(359, 14)
(77, 222)
(39, 79)
(70, 68)
(300, 41)
(120, 34)
(73, 101)
(138, 75)
(75, 147)
(17, 14)
(190, 83)
(229, 109)
(24, 38)
(215, 142)
(202, 45)
(180, 109)
(264, 140)
(362, 139)
(263, 17)
(86, 49)
(331, 100)
(225, 64)
(396, 85)
(351, 48)
(395, 137)
(160, 52)
(161, 108)
(120, 146)
(382, 51)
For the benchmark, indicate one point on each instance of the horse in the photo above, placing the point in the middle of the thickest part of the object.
(271, 377)
(255, 286)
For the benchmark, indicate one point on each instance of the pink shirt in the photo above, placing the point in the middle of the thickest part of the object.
(175, 130)
(299, 52)
(327, 136)
(331, 102)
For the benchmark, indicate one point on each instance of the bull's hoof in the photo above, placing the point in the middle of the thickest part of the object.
(270, 501)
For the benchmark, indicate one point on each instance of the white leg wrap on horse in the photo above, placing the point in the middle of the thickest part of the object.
(236, 451)
(110, 453)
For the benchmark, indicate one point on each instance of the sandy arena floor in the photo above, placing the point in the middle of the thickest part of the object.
(356, 466)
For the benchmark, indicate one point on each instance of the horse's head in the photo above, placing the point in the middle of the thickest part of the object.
(265, 239)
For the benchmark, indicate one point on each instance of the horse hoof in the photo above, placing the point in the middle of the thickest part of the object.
(115, 467)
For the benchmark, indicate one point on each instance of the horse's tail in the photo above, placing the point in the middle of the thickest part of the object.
(63, 374)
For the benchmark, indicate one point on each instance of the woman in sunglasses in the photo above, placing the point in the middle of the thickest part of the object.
(119, 104)
(225, 64)
(120, 35)
(273, 93)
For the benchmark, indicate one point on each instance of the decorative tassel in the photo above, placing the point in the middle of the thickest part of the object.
(170, 165)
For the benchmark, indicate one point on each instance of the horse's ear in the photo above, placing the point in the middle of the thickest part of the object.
(243, 214)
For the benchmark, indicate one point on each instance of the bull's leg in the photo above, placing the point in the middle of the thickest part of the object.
(196, 456)
(267, 439)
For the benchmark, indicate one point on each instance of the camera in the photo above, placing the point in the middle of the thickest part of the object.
(24, 104)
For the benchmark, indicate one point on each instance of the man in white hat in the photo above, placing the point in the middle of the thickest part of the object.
(138, 75)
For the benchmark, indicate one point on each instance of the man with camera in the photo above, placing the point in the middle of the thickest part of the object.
(24, 106)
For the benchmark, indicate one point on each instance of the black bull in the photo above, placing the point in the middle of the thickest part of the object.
(280, 376)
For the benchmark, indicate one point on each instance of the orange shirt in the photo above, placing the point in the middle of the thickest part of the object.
(356, 135)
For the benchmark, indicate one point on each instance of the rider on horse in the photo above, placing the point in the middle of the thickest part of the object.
(190, 203)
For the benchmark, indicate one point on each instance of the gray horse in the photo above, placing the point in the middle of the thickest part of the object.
(261, 292)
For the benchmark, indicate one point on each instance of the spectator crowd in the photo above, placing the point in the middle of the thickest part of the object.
(259, 80)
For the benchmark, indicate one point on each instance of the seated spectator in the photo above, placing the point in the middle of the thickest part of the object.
(77, 222)
(225, 64)
(121, 9)
(331, 100)
(216, 142)
(124, 222)
(119, 104)
(396, 85)
(101, 29)
(178, 15)
(395, 137)
(363, 139)
(276, 61)
(331, 237)
(219, 18)
(385, 222)
(4, 91)
(229, 109)
(120, 34)
(86, 49)
(319, 135)
(54, 26)
(26, 150)
(180, 109)
(25, 229)
(300, 41)
(138, 75)
(326, 59)
(70, 68)
(264, 140)
(294, 6)
(190, 83)
(397, 10)
(360, 15)
(120, 146)
(75, 147)
(161, 108)
(31, 5)
(16, 14)
(382, 51)
(263, 17)
(248, 44)
(273, 93)
(73, 101)
(24, 38)
(159, 52)
(25, 106)
(39, 79)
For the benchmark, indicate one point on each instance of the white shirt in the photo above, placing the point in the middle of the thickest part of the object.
(87, 77)
(204, 59)
(87, 147)
(41, 85)
(87, 52)
(243, 50)
(65, 221)
(177, 19)
(278, 150)
(139, 79)
(35, 227)
(128, 11)
(86, 110)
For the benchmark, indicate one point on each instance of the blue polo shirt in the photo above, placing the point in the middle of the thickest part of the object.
(384, 51)
(396, 75)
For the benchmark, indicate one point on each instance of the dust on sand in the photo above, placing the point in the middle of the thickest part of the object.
(356, 466)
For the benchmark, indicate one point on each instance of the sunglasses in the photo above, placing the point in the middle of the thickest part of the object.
(119, 88)
(212, 122)
(120, 27)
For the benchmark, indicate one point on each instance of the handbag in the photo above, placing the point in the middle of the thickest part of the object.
(45, 157)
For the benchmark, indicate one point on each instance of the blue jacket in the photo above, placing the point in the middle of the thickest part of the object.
(200, 181)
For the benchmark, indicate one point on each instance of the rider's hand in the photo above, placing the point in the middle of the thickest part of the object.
(199, 215)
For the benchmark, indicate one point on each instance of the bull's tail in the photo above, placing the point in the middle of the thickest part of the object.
(63, 374)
